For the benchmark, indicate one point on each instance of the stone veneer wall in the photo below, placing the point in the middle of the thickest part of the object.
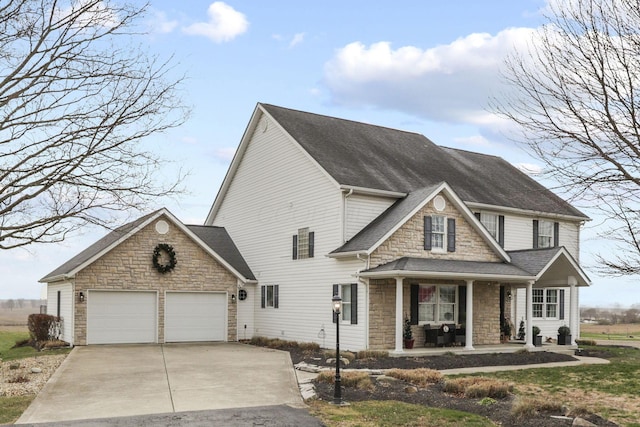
(129, 267)
(408, 240)
(382, 294)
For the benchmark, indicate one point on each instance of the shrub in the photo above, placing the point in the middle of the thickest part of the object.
(331, 354)
(586, 342)
(44, 327)
(536, 331)
(478, 387)
(527, 407)
(419, 377)
(372, 354)
(359, 380)
(564, 330)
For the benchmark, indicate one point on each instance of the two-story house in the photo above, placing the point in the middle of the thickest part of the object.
(399, 227)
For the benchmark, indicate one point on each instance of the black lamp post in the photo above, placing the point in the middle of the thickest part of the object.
(337, 393)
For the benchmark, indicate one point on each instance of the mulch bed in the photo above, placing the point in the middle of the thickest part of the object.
(434, 395)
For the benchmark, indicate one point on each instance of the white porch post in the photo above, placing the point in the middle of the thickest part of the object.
(573, 308)
(529, 327)
(399, 320)
(468, 333)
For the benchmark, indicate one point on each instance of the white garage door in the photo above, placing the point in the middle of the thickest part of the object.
(115, 317)
(195, 316)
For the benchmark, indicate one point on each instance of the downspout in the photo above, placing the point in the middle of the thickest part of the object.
(344, 215)
(365, 284)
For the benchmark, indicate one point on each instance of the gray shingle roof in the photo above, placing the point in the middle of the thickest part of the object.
(219, 240)
(450, 266)
(533, 260)
(216, 238)
(364, 155)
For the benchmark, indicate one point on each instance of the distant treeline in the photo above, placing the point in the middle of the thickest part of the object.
(611, 316)
(10, 304)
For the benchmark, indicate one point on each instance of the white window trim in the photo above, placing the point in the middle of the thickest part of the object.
(443, 249)
(545, 303)
(456, 306)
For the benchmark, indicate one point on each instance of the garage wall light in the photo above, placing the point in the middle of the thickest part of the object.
(233, 298)
(81, 296)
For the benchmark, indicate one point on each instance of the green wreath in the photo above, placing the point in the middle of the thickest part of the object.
(157, 253)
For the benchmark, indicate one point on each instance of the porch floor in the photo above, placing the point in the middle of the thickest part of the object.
(510, 347)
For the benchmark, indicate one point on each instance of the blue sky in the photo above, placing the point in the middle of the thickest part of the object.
(422, 66)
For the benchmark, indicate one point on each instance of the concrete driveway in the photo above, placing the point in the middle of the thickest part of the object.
(124, 380)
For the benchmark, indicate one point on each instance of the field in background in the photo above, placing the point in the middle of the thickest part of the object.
(620, 331)
(15, 320)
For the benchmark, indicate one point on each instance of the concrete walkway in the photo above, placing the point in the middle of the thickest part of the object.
(108, 381)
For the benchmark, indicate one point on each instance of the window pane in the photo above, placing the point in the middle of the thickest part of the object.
(303, 243)
(427, 312)
(552, 296)
(437, 224)
(346, 293)
(426, 294)
(447, 294)
(545, 234)
(538, 296)
(270, 296)
(537, 310)
(446, 312)
(346, 312)
(490, 221)
(552, 310)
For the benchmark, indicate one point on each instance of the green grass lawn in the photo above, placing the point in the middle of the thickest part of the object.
(630, 336)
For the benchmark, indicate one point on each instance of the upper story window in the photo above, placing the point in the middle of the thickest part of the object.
(269, 296)
(303, 244)
(545, 234)
(494, 224)
(439, 233)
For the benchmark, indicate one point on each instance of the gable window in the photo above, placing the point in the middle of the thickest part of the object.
(349, 295)
(269, 296)
(437, 303)
(439, 233)
(546, 303)
(303, 244)
(545, 234)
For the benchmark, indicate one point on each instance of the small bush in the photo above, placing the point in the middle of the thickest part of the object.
(359, 380)
(527, 407)
(487, 401)
(586, 342)
(44, 327)
(478, 387)
(522, 351)
(564, 330)
(372, 354)
(308, 346)
(18, 379)
(420, 377)
(331, 354)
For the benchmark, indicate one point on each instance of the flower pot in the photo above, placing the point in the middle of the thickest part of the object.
(408, 344)
(564, 339)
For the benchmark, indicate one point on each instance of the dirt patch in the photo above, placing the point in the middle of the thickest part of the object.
(497, 410)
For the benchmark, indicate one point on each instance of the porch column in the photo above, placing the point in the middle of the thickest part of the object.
(399, 319)
(573, 308)
(468, 332)
(529, 326)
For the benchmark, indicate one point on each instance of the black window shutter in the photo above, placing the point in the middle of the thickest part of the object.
(58, 304)
(414, 303)
(451, 234)
(501, 230)
(535, 234)
(556, 234)
(561, 301)
(427, 233)
(311, 243)
(275, 295)
(477, 214)
(295, 246)
(263, 296)
(354, 303)
(336, 291)
(462, 304)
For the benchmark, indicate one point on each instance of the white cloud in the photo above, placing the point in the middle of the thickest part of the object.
(189, 140)
(297, 39)
(87, 14)
(529, 168)
(225, 154)
(475, 140)
(224, 24)
(451, 82)
(161, 24)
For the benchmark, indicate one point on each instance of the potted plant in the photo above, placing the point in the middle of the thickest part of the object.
(521, 332)
(505, 335)
(407, 334)
(537, 338)
(564, 335)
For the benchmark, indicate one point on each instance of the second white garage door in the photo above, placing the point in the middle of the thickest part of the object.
(195, 316)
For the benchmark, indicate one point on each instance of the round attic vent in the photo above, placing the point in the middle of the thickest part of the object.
(162, 227)
(439, 203)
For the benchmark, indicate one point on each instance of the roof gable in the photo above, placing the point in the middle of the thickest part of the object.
(383, 227)
(211, 241)
(363, 155)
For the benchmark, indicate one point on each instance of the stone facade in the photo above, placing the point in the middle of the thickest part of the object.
(129, 267)
(408, 241)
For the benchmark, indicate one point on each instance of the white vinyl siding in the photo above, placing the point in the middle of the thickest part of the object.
(518, 234)
(246, 309)
(276, 190)
(361, 210)
(121, 317)
(66, 307)
(195, 316)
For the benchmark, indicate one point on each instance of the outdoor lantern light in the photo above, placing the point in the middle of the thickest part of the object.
(233, 298)
(337, 392)
(81, 296)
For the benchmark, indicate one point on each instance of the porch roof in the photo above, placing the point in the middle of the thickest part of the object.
(447, 268)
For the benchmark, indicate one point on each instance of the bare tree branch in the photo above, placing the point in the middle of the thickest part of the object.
(575, 104)
(77, 97)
